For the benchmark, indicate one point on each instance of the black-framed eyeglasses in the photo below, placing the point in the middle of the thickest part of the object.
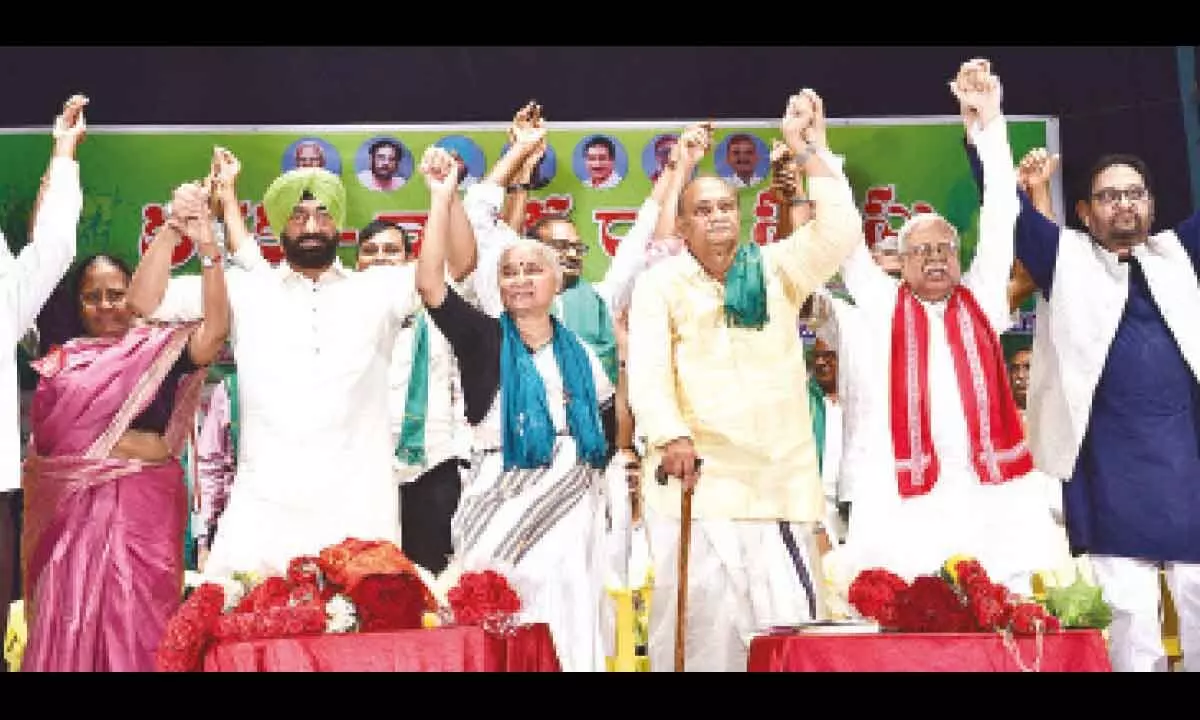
(1108, 195)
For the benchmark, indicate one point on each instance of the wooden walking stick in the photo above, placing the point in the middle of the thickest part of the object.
(681, 578)
(685, 542)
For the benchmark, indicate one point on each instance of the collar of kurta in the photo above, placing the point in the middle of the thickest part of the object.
(336, 271)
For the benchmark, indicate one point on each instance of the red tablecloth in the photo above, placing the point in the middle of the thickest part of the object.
(449, 649)
(1069, 651)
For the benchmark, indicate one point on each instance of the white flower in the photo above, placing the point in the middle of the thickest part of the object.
(340, 613)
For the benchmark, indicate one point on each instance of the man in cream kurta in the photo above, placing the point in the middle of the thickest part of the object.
(738, 396)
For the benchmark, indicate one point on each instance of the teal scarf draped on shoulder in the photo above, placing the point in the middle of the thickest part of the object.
(526, 429)
(746, 289)
(410, 448)
(587, 315)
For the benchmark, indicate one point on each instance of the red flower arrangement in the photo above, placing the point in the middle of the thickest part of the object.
(961, 598)
(483, 598)
(391, 601)
(377, 584)
(186, 635)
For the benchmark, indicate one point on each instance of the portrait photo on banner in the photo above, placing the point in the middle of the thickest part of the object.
(657, 154)
(311, 152)
(600, 162)
(742, 159)
(383, 163)
(545, 170)
(471, 161)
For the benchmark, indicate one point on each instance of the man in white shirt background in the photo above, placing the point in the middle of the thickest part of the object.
(429, 430)
(26, 282)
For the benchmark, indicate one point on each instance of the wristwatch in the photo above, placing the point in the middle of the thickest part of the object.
(809, 150)
(207, 261)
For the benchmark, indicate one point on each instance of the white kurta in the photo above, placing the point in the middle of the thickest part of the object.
(1008, 527)
(314, 454)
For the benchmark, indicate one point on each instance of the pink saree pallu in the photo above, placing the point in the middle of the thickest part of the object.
(102, 550)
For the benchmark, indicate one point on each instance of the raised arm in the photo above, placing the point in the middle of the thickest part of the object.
(441, 175)
(1035, 238)
(1034, 173)
(812, 254)
(243, 247)
(655, 219)
(153, 293)
(794, 208)
(462, 253)
(47, 256)
(516, 197)
(978, 92)
(206, 342)
(483, 206)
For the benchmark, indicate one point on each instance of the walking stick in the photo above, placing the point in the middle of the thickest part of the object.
(685, 543)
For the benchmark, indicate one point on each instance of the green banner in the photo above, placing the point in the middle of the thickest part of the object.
(896, 165)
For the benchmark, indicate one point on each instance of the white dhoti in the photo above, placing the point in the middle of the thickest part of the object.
(743, 576)
(544, 529)
(1131, 588)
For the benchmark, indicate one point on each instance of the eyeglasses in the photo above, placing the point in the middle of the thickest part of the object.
(1108, 195)
(931, 250)
(568, 247)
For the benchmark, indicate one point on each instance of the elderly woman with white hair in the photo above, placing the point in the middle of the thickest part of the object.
(947, 471)
(541, 411)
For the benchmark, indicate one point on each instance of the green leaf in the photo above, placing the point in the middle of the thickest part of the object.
(1079, 605)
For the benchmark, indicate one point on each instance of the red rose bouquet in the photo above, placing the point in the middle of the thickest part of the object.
(483, 598)
(354, 585)
(391, 601)
(873, 593)
(959, 598)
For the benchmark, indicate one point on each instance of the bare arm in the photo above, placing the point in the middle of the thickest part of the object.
(149, 283)
(205, 343)
(439, 171)
(462, 252)
(242, 245)
(1033, 175)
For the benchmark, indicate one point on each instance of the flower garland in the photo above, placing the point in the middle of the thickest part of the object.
(354, 586)
(960, 598)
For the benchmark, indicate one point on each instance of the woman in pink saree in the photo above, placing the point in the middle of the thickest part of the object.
(105, 496)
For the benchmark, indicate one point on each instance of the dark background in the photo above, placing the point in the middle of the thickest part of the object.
(1110, 99)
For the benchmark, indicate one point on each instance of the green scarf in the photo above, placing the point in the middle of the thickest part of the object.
(410, 449)
(816, 408)
(231, 389)
(586, 314)
(746, 289)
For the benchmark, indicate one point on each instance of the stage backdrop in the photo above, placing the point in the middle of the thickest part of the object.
(897, 165)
